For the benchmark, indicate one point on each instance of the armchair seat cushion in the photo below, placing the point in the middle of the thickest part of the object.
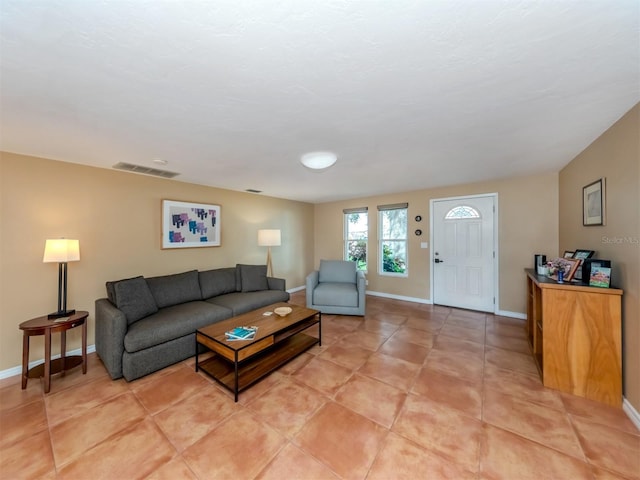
(336, 294)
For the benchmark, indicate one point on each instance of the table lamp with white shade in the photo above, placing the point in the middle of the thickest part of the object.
(61, 250)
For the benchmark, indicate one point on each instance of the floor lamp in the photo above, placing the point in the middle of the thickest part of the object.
(61, 250)
(269, 238)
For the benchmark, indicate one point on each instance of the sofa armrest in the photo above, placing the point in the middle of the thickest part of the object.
(361, 285)
(311, 284)
(276, 283)
(111, 327)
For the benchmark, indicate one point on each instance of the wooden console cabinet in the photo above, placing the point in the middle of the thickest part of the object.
(575, 335)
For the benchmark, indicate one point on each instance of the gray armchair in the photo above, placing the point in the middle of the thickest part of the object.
(338, 287)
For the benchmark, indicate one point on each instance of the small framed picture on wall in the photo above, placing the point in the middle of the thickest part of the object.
(593, 203)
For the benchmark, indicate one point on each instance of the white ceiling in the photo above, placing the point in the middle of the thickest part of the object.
(409, 94)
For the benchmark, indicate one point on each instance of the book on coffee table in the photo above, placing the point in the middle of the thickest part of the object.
(241, 333)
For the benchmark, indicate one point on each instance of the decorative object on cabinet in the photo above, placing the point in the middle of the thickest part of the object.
(61, 251)
(556, 264)
(574, 332)
(588, 264)
(575, 263)
(593, 203)
(581, 255)
(600, 277)
(187, 225)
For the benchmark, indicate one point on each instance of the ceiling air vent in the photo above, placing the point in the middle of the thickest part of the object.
(129, 167)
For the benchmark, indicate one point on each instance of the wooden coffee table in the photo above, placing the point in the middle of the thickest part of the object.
(239, 364)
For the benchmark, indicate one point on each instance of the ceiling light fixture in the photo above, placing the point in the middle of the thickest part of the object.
(318, 160)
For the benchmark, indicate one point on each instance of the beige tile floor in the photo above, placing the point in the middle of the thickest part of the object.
(410, 391)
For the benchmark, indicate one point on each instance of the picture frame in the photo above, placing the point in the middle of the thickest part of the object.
(567, 254)
(190, 225)
(582, 255)
(593, 203)
(571, 271)
(600, 277)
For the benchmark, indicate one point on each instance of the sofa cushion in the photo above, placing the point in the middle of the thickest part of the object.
(337, 271)
(240, 303)
(171, 323)
(253, 277)
(169, 290)
(111, 293)
(217, 282)
(133, 297)
(337, 294)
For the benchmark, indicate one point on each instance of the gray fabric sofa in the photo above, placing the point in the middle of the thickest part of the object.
(337, 287)
(146, 324)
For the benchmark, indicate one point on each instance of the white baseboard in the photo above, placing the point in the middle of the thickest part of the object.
(10, 372)
(399, 297)
(506, 313)
(631, 412)
(296, 289)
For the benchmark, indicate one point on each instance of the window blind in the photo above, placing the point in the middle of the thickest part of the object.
(393, 206)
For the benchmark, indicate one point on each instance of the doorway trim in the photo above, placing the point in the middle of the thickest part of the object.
(496, 244)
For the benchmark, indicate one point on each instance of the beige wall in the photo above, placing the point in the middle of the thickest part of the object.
(528, 224)
(615, 155)
(116, 217)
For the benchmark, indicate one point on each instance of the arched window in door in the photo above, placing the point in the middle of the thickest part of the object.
(462, 212)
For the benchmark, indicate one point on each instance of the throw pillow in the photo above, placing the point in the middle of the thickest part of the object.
(253, 277)
(217, 282)
(169, 290)
(134, 299)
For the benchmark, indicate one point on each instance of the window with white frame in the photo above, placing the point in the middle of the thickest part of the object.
(356, 236)
(392, 224)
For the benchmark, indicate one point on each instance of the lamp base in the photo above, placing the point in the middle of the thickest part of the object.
(65, 313)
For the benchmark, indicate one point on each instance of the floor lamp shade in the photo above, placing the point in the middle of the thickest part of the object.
(61, 251)
(269, 238)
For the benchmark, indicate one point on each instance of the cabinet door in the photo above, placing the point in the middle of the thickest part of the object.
(582, 344)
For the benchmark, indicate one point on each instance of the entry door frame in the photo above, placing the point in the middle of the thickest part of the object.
(496, 244)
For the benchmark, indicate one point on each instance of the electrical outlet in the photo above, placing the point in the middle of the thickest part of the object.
(424, 244)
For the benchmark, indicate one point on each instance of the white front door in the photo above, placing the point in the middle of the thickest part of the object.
(463, 252)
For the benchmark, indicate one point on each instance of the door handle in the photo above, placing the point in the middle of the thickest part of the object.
(437, 260)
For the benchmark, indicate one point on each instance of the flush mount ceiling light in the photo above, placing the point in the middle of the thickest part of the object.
(318, 160)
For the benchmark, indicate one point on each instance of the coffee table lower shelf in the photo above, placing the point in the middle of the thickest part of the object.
(238, 376)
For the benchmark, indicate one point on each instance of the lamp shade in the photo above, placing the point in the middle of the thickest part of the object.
(61, 250)
(269, 238)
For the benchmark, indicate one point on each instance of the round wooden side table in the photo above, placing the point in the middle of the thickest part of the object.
(45, 326)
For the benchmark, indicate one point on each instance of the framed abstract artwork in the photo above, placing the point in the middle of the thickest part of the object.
(593, 203)
(190, 225)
